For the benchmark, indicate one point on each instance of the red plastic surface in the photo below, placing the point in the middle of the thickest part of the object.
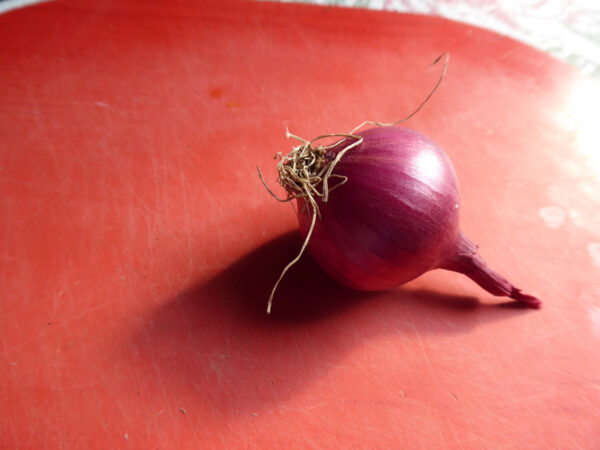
(138, 246)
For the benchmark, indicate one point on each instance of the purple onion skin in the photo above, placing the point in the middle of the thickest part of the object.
(396, 217)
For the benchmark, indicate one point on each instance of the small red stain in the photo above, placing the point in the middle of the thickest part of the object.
(232, 104)
(216, 93)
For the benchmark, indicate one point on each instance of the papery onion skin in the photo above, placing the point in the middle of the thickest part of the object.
(396, 217)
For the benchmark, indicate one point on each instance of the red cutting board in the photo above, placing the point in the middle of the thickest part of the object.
(138, 246)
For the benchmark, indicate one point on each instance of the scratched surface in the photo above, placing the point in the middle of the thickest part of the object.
(137, 246)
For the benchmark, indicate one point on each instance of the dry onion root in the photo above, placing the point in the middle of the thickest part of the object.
(301, 173)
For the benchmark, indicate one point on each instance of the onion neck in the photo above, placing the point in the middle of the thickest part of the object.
(469, 263)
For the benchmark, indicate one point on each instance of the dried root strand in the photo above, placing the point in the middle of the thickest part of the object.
(306, 171)
(294, 261)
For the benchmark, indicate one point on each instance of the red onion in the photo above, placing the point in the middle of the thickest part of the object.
(396, 217)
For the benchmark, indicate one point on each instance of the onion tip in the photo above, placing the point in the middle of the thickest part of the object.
(526, 300)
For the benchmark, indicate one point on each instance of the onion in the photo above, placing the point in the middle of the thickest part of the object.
(396, 217)
(380, 207)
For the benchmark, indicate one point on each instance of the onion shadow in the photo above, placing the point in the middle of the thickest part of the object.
(215, 343)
